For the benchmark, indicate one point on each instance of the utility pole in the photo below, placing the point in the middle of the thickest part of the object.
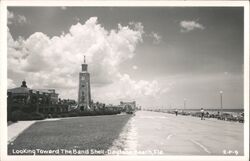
(221, 103)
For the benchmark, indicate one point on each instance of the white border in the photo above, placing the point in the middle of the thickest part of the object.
(3, 76)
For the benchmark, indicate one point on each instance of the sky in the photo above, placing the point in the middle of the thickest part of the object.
(157, 56)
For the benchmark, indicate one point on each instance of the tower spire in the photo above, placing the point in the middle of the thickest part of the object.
(84, 65)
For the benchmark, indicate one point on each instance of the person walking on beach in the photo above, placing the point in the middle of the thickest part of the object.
(202, 114)
(176, 112)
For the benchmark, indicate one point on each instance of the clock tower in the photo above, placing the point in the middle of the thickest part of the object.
(84, 96)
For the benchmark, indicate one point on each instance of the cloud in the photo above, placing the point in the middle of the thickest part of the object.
(77, 19)
(138, 26)
(156, 37)
(129, 89)
(15, 19)
(63, 7)
(11, 83)
(187, 26)
(21, 19)
(55, 62)
(10, 16)
(135, 67)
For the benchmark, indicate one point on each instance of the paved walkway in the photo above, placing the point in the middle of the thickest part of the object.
(17, 128)
(156, 133)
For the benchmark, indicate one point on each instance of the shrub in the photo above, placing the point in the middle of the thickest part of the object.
(19, 115)
(64, 115)
(73, 114)
(54, 115)
(36, 116)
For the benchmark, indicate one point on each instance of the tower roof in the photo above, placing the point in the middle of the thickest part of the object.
(19, 90)
(84, 65)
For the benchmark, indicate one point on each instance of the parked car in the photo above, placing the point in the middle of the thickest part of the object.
(225, 116)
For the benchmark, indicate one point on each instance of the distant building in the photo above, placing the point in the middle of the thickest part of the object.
(71, 104)
(33, 100)
(20, 94)
(128, 106)
(53, 94)
(23, 93)
(84, 95)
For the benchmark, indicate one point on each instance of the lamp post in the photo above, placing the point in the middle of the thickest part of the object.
(221, 104)
(185, 103)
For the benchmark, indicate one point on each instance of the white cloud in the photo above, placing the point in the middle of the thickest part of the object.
(55, 62)
(187, 26)
(63, 7)
(156, 37)
(77, 19)
(10, 16)
(135, 67)
(21, 19)
(138, 26)
(126, 88)
(11, 84)
(15, 19)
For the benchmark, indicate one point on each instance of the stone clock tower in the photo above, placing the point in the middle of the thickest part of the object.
(84, 96)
